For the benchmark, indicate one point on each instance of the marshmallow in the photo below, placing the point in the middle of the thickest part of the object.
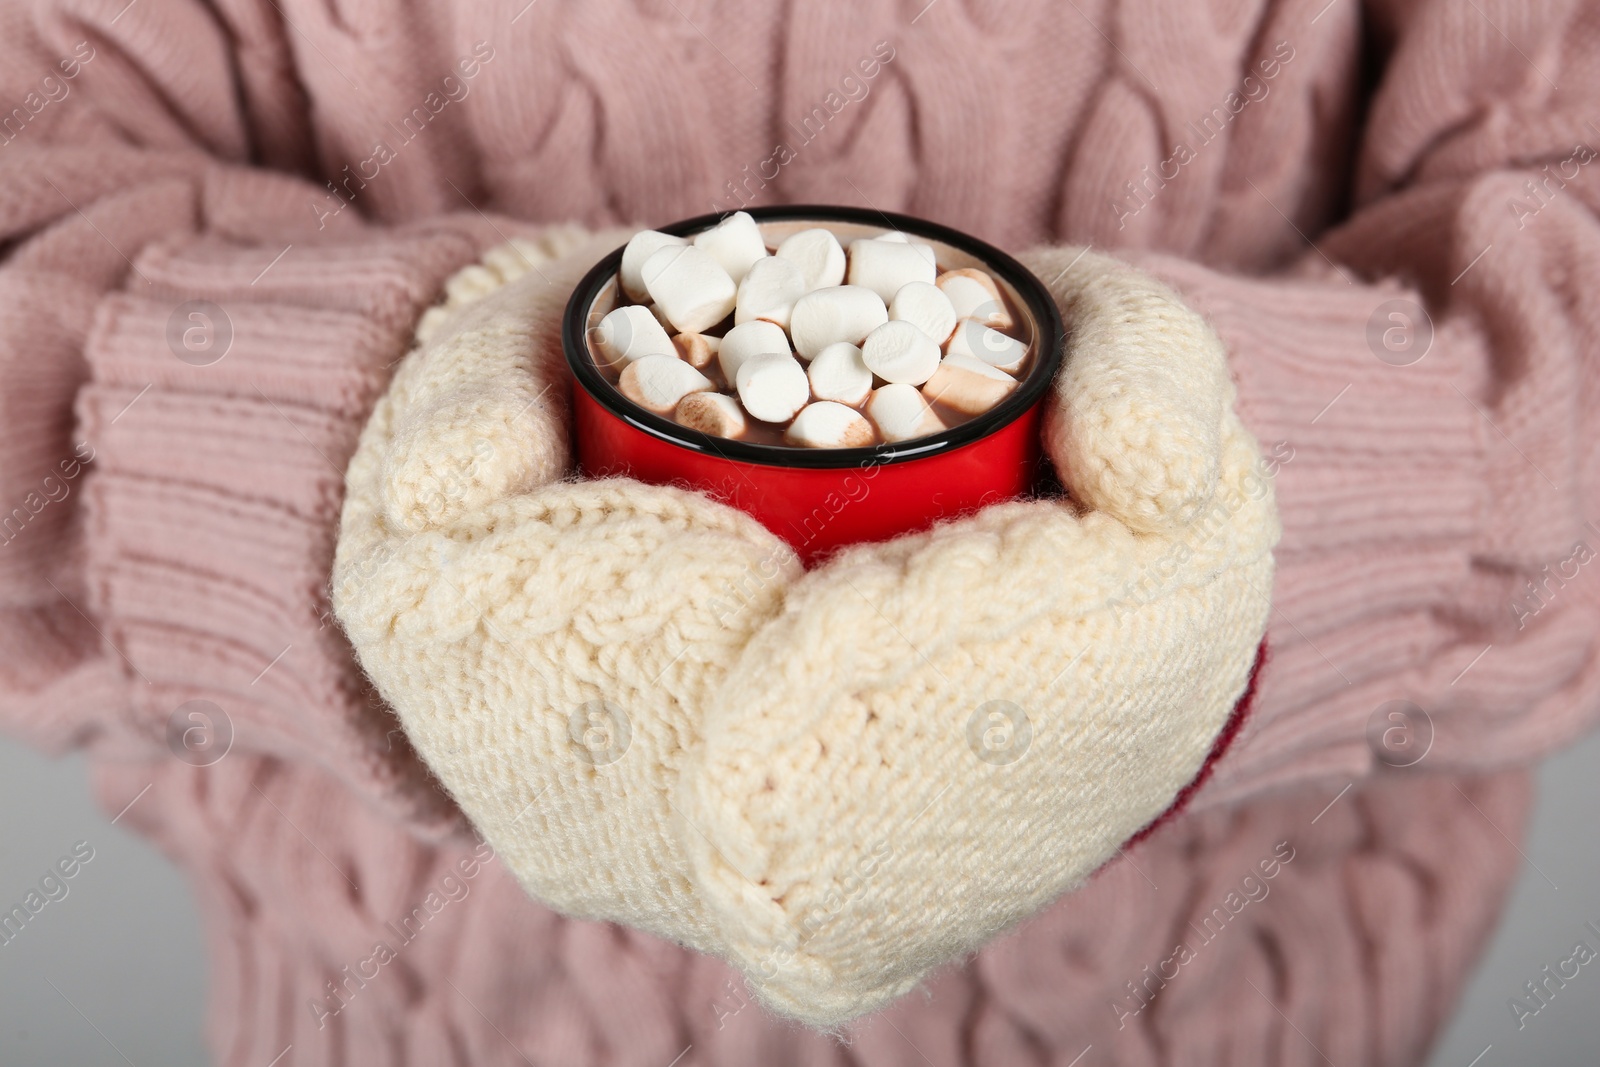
(735, 243)
(967, 385)
(754, 338)
(973, 338)
(772, 387)
(884, 266)
(661, 317)
(640, 247)
(960, 361)
(900, 413)
(769, 291)
(926, 307)
(693, 290)
(657, 383)
(697, 349)
(900, 353)
(717, 414)
(818, 255)
(627, 333)
(829, 425)
(837, 373)
(974, 295)
(836, 313)
(813, 330)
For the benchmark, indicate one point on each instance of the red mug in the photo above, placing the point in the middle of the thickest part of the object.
(821, 499)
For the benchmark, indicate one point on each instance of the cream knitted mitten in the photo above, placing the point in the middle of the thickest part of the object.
(837, 779)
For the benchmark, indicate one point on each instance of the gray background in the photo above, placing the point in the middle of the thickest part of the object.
(114, 973)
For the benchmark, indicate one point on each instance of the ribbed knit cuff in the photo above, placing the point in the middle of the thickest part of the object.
(1395, 489)
(1380, 487)
(225, 401)
(57, 675)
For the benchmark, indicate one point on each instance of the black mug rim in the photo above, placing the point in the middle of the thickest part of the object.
(1047, 360)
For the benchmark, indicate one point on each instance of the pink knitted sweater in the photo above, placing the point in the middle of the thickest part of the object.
(1385, 207)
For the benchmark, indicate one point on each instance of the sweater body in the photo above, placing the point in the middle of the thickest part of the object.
(221, 222)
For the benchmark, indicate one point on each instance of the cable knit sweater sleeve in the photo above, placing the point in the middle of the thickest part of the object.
(1429, 365)
(186, 356)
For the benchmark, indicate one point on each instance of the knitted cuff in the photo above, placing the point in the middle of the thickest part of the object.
(1400, 492)
(1378, 480)
(226, 397)
(789, 785)
(56, 675)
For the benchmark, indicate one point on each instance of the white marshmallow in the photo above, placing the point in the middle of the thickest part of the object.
(717, 414)
(974, 295)
(660, 316)
(640, 247)
(735, 243)
(829, 425)
(697, 349)
(900, 353)
(693, 290)
(973, 338)
(627, 333)
(900, 413)
(837, 313)
(657, 383)
(769, 291)
(897, 236)
(884, 266)
(961, 361)
(924, 306)
(818, 255)
(757, 337)
(772, 387)
(838, 373)
(968, 385)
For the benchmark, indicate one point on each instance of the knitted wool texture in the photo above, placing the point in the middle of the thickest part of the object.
(836, 779)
